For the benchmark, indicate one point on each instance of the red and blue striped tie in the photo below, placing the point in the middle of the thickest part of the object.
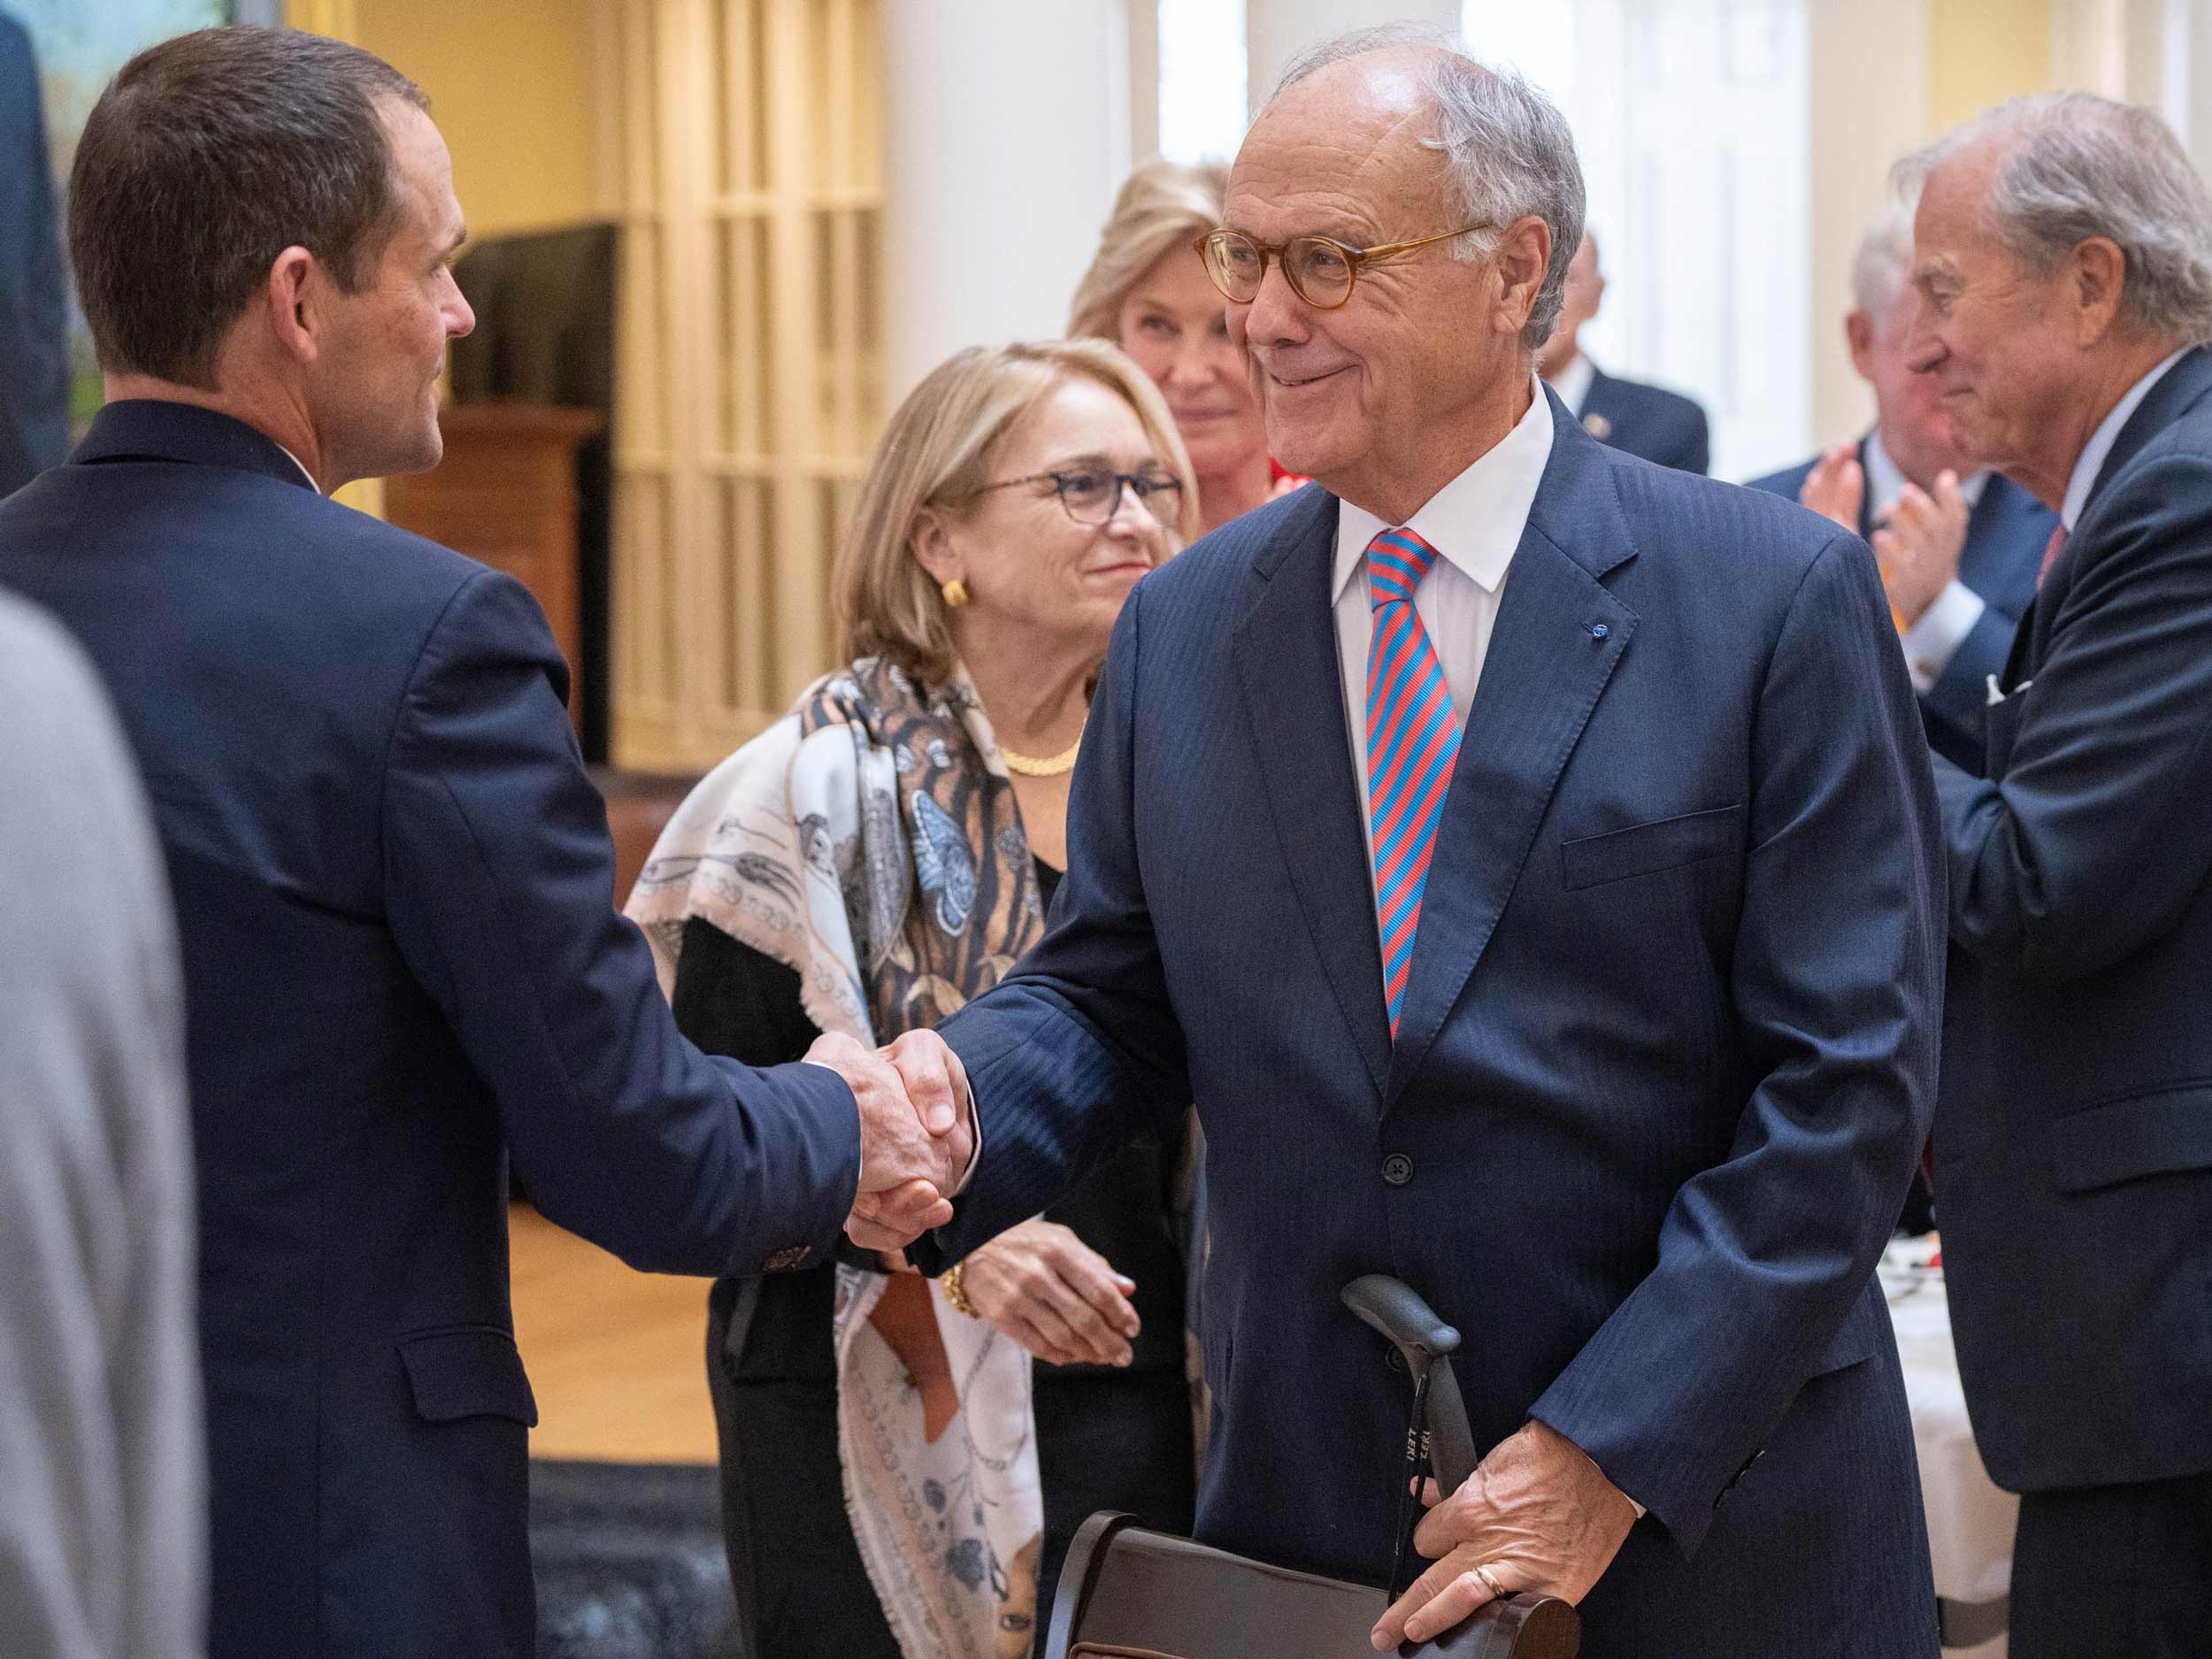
(1412, 741)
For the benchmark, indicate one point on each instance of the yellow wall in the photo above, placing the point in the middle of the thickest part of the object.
(510, 87)
(1981, 53)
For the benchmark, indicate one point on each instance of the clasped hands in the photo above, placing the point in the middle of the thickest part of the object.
(1536, 1515)
(917, 1133)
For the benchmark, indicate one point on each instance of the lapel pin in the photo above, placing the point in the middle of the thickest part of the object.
(1598, 630)
(1598, 427)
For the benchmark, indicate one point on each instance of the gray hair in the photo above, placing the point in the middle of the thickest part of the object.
(1509, 149)
(1881, 265)
(2075, 165)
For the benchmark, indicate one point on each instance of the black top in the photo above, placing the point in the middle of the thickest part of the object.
(732, 999)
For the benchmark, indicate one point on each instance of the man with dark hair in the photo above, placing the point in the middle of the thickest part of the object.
(394, 882)
(34, 292)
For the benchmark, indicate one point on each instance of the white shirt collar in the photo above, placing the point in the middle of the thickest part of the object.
(2100, 442)
(1885, 480)
(1476, 520)
(304, 473)
(1572, 383)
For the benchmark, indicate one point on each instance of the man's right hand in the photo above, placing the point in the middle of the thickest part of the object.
(1836, 487)
(909, 1167)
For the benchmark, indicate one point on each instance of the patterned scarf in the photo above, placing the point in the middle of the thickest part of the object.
(870, 841)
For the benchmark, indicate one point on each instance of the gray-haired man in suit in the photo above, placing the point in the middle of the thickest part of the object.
(2064, 252)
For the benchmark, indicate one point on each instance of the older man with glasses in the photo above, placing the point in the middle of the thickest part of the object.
(1525, 855)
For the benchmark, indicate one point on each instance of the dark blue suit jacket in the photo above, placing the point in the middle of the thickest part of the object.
(2074, 1149)
(2005, 538)
(1649, 421)
(34, 292)
(395, 897)
(1666, 1058)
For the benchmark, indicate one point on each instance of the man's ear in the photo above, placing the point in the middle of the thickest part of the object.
(2096, 273)
(296, 286)
(1858, 333)
(1523, 255)
(931, 546)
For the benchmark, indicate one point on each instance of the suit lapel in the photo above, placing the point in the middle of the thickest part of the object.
(1286, 653)
(1558, 636)
(2176, 392)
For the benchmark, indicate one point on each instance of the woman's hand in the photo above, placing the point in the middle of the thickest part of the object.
(1050, 1291)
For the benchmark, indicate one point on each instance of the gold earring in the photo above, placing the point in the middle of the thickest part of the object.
(956, 592)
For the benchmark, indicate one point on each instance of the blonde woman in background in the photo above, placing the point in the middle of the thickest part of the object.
(895, 1483)
(1148, 292)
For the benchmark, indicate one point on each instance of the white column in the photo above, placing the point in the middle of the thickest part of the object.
(1277, 31)
(1869, 106)
(1006, 135)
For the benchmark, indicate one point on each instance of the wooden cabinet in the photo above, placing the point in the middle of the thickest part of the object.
(505, 494)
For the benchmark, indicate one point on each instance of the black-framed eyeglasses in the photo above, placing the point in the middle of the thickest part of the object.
(1320, 270)
(1093, 496)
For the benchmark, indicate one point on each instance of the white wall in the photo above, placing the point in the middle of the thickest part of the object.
(1006, 135)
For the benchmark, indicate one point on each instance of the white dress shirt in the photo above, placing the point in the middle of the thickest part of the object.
(2100, 442)
(304, 473)
(1931, 643)
(1474, 523)
(1572, 383)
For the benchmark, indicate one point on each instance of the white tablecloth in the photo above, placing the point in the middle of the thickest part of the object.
(1970, 1521)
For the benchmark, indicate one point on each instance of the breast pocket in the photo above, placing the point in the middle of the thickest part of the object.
(1642, 849)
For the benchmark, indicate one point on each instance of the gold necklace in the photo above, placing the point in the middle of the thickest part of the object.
(1052, 766)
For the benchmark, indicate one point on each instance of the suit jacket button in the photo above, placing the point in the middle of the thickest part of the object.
(1397, 1169)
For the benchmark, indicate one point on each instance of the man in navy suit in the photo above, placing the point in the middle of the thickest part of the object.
(1646, 421)
(1958, 547)
(393, 881)
(2063, 249)
(34, 292)
(1631, 1086)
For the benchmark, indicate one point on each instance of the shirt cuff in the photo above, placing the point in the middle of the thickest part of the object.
(975, 1153)
(1931, 643)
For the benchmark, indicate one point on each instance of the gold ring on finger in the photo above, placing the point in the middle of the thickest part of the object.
(1491, 1583)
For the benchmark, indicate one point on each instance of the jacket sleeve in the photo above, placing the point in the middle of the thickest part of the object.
(2095, 836)
(1765, 1259)
(1079, 1050)
(499, 883)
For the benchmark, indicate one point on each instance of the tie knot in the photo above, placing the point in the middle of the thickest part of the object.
(1396, 562)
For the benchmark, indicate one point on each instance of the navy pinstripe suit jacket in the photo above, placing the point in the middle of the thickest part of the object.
(1666, 1059)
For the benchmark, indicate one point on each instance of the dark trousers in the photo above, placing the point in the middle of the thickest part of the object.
(2115, 1572)
(1104, 1441)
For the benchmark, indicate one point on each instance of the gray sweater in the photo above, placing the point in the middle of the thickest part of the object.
(103, 1506)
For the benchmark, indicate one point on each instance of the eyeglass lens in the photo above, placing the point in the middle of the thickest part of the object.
(1095, 497)
(1318, 269)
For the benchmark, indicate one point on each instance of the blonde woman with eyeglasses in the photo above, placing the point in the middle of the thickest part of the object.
(896, 1484)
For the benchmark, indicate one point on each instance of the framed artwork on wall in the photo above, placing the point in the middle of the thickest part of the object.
(79, 44)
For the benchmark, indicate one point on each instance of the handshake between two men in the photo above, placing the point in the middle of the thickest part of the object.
(916, 1133)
